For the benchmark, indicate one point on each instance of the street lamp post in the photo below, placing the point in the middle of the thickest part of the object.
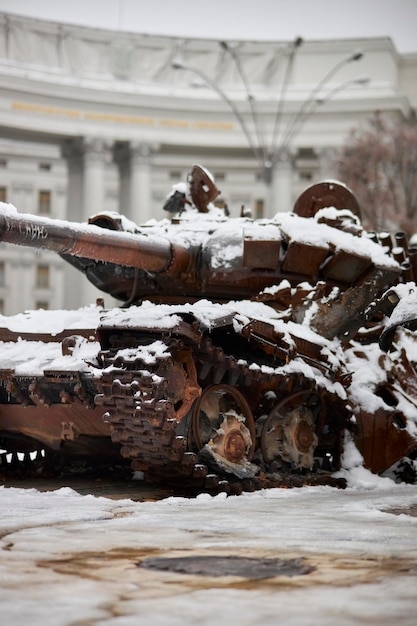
(272, 156)
(178, 64)
(305, 112)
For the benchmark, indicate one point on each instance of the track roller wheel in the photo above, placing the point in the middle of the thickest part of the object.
(289, 435)
(223, 430)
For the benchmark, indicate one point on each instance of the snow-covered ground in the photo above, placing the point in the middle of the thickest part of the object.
(72, 560)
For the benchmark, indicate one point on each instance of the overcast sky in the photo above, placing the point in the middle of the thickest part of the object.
(237, 19)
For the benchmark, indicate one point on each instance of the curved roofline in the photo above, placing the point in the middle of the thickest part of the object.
(126, 34)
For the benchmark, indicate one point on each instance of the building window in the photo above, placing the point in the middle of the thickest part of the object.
(305, 176)
(175, 175)
(3, 194)
(45, 167)
(2, 274)
(42, 304)
(1, 307)
(219, 176)
(259, 209)
(3, 164)
(42, 277)
(306, 154)
(44, 203)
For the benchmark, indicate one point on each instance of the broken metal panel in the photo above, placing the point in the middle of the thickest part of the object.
(383, 439)
(50, 426)
(261, 253)
(301, 258)
(346, 267)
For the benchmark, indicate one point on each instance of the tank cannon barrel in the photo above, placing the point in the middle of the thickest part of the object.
(193, 256)
(87, 241)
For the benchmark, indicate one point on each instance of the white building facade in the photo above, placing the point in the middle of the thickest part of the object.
(95, 120)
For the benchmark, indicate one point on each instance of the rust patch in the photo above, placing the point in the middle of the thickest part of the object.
(411, 511)
(130, 566)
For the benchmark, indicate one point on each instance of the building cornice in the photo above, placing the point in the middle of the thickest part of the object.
(67, 80)
(69, 53)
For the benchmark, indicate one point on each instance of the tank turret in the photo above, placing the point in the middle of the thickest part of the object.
(199, 252)
(237, 358)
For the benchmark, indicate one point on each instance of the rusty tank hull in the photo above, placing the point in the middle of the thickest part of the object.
(187, 394)
(236, 358)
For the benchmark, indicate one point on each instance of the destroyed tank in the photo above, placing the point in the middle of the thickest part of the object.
(234, 358)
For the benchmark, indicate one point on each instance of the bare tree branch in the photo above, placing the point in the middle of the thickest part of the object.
(380, 165)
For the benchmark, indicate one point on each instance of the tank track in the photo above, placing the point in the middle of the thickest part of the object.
(142, 415)
(140, 397)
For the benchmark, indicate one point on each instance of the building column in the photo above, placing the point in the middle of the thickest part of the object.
(140, 183)
(121, 157)
(134, 161)
(87, 159)
(72, 152)
(280, 190)
(97, 154)
(20, 282)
